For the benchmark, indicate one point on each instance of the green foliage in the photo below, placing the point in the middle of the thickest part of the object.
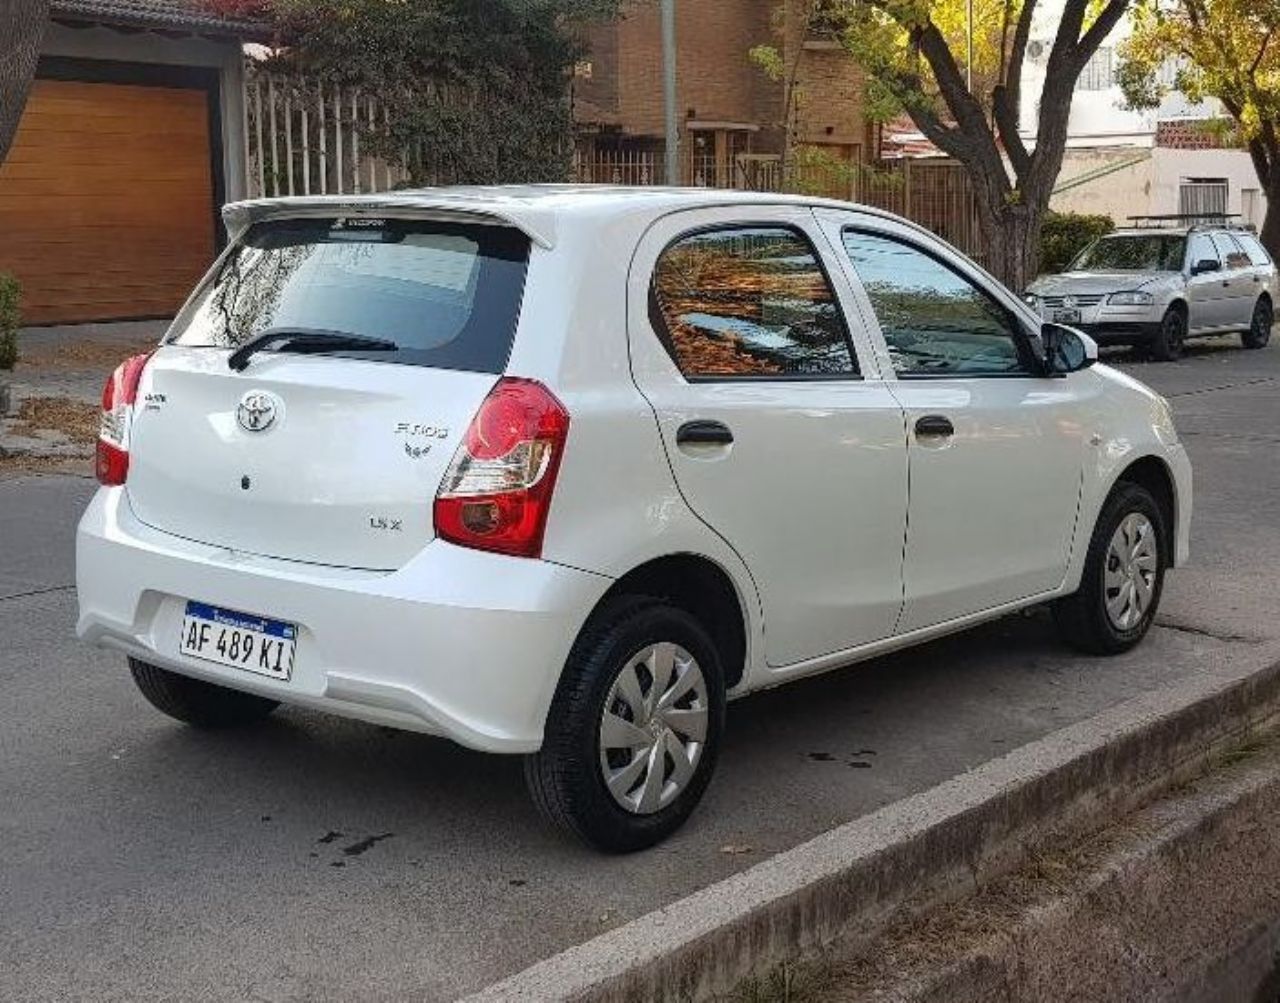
(1226, 49)
(1066, 234)
(10, 298)
(476, 90)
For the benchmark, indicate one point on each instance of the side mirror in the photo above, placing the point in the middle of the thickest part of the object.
(1067, 350)
(1206, 265)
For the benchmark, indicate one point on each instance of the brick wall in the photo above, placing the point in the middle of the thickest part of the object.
(716, 79)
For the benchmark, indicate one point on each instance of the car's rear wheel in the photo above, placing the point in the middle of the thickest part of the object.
(1123, 575)
(634, 730)
(1167, 344)
(1259, 332)
(196, 702)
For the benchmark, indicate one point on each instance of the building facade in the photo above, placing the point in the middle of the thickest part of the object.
(734, 120)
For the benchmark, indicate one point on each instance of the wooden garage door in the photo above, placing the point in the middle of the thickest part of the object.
(106, 200)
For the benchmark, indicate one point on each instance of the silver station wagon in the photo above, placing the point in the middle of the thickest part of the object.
(1156, 284)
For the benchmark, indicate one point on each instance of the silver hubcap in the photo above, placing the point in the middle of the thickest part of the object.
(654, 728)
(1129, 575)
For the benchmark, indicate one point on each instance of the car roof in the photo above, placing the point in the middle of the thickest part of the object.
(538, 210)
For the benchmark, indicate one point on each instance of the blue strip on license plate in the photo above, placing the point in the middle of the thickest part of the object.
(241, 621)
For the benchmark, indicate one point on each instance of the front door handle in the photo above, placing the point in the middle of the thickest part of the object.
(704, 433)
(934, 425)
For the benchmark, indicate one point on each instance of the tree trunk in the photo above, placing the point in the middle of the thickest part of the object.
(22, 24)
(1011, 233)
(1270, 235)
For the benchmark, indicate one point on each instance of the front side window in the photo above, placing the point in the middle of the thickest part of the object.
(1201, 248)
(749, 302)
(934, 320)
(447, 294)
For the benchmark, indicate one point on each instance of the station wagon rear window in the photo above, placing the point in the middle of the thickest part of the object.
(447, 294)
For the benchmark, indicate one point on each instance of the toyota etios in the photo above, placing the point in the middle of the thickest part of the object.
(557, 471)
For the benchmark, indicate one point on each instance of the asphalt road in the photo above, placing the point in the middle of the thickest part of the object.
(313, 858)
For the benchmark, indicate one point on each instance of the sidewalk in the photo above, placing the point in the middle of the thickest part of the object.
(56, 389)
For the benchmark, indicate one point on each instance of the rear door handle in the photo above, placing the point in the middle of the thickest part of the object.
(934, 425)
(705, 433)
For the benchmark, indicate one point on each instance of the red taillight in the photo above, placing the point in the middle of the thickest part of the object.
(118, 398)
(497, 491)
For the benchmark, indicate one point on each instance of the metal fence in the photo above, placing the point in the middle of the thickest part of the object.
(937, 194)
(303, 138)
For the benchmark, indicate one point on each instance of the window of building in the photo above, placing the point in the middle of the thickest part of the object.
(1203, 197)
(749, 302)
(1099, 72)
(934, 320)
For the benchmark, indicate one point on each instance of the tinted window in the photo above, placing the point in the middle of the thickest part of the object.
(1132, 253)
(1252, 247)
(935, 321)
(1230, 252)
(750, 301)
(448, 295)
(1201, 248)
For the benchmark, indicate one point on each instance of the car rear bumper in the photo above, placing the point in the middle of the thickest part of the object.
(457, 642)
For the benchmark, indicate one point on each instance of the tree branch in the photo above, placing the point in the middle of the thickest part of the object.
(1006, 98)
(1100, 29)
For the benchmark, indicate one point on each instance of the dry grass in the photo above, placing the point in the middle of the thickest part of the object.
(88, 354)
(26, 466)
(75, 419)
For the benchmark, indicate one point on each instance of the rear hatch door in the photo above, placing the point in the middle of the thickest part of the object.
(331, 458)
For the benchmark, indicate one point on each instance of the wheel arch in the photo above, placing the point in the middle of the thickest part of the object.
(1153, 473)
(704, 589)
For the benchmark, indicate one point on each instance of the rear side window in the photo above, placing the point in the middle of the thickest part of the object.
(1253, 247)
(447, 294)
(749, 302)
(1230, 252)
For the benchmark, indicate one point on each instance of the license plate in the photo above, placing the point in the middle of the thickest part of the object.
(240, 640)
(1067, 316)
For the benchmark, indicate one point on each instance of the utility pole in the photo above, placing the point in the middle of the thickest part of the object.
(968, 66)
(669, 90)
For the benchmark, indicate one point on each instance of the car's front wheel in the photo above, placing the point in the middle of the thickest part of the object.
(1259, 332)
(634, 729)
(1167, 343)
(1123, 575)
(196, 702)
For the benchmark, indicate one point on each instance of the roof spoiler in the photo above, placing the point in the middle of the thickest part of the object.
(538, 226)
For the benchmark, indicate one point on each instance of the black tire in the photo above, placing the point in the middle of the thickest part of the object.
(1259, 332)
(1082, 618)
(1166, 344)
(566, 778)
(195, 702)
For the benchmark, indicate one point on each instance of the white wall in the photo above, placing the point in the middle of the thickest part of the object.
(148, 47)
(1172, 167)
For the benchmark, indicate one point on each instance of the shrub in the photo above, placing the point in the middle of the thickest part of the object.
(1066, 234)
(10, 294)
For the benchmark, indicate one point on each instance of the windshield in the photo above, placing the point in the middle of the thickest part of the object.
(447, 295)
(1132, 253)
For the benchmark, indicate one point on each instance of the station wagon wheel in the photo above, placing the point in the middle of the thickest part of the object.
(1123, 575)
(1168, 342)
(633, 733)
(1259, 332)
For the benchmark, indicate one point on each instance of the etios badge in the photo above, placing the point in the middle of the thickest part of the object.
(258, 410)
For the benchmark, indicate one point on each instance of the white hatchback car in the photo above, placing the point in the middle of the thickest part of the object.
(557, 470)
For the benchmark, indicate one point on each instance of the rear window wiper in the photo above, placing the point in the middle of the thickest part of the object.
(306, 341)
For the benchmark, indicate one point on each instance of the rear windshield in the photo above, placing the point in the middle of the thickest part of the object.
(447, 294)
(1132, 253)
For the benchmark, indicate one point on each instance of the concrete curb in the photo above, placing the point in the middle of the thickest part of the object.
(924, 848)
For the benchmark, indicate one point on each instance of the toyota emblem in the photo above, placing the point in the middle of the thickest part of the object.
(258, 410)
